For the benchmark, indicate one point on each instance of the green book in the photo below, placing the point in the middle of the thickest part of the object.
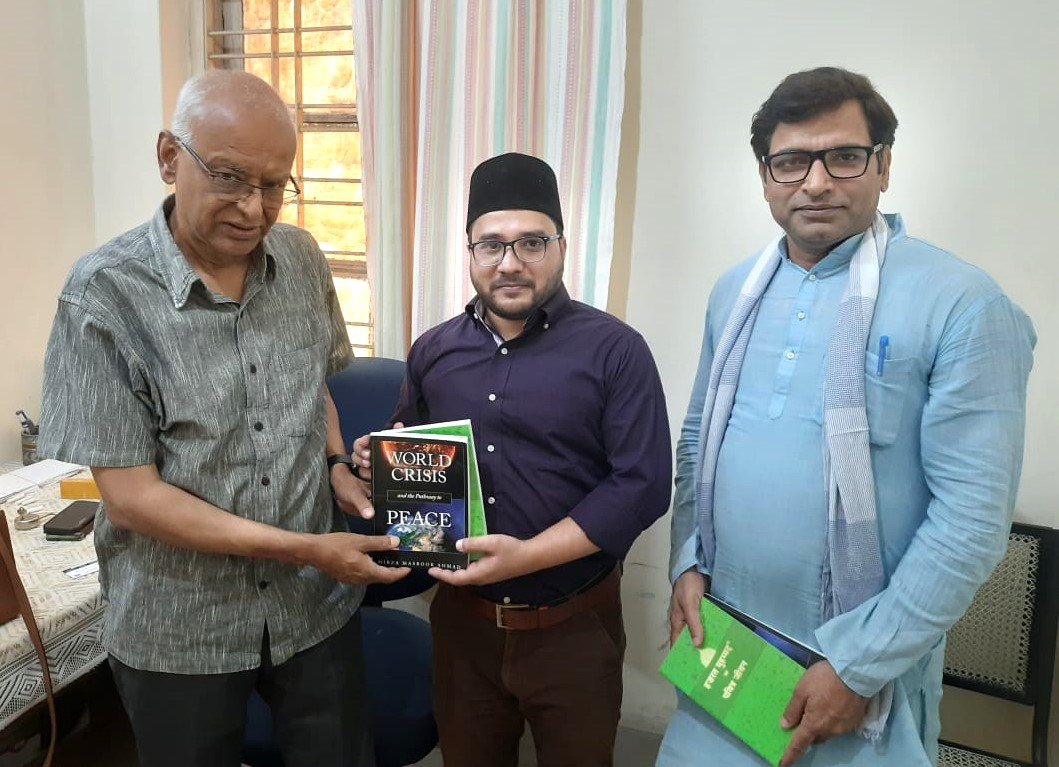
(475, 503)
(740, 678)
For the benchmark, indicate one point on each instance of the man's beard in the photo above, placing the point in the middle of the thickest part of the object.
(536, 300)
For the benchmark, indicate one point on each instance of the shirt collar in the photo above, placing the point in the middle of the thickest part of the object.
(545, 315)
(835, 261)
(171, 263)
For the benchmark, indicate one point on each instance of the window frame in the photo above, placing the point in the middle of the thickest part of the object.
(224, 47)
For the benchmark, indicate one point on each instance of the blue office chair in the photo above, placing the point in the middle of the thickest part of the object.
(399, 694)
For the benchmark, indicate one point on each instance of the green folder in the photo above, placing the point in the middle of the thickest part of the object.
(475, 503)
(738, 678)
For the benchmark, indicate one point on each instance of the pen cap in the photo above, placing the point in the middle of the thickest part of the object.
(27, 423)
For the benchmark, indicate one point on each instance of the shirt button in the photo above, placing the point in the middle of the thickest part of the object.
(789, 355)
(491, 500)
(546, 325)
(253, 369)
(801, 315)
(266, 481)
(259, 426)
(262, 585)
(490, 448)
(492, 398)
(504, 350)
(812, 278)
(507, 600)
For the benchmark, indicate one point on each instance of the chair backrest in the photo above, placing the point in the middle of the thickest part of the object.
(365, 394)
(1005, 644)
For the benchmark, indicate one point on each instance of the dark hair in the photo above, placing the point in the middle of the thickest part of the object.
(805, 95)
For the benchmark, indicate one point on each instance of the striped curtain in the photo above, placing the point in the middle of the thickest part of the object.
(445, 84)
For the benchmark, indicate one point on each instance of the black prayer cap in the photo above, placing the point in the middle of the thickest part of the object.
(513, 182)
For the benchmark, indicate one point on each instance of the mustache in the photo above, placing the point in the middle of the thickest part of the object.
(510, 283)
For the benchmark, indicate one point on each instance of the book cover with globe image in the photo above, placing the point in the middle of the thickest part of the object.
(419, 491)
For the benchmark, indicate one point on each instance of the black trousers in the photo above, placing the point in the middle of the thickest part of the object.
(317, 698)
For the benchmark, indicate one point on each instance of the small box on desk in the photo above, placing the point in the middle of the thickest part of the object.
(78, 487)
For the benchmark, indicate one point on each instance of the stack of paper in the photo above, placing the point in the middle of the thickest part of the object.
(11, 485)
(34, 476)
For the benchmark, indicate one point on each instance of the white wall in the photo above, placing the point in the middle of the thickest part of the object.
(974, 85)
(83, 100)
(124, 67)
(46, 195)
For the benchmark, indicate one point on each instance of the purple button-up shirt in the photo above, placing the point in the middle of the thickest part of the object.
(569, 420)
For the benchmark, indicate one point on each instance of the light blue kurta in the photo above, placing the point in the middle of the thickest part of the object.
(946, 416)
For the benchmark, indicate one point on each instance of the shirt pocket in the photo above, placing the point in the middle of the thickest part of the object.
(886, 393)
(297, 389)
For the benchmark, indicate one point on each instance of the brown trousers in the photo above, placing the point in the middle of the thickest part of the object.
(564, 680)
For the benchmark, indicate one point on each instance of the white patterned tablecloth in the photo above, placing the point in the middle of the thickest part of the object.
(69, 611)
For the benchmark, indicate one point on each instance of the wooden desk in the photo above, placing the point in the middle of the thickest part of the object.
(69, 613)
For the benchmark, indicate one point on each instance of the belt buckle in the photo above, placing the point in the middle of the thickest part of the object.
(500, 614)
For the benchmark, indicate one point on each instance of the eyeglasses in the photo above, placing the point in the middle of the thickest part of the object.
(839, 162)
(231, 188)
(528, 250)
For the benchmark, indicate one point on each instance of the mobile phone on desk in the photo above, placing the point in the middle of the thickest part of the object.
(72, 523)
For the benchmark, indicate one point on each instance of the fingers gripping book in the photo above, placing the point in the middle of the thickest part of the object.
(743, 675)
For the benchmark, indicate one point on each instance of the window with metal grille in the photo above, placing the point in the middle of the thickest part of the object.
(304, 48)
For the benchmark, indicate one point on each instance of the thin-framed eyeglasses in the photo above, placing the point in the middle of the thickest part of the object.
(528, 250)
(230, 187)
(840, 162)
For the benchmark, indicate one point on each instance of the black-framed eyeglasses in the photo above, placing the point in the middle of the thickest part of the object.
(840, 162)
(231, 188)
(528, 250)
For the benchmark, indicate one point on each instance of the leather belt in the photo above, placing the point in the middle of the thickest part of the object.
(527, 617)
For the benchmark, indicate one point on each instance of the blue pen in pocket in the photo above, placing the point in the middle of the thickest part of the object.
(884, 344)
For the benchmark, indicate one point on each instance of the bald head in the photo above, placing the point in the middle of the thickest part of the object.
(223, 96)
(228, 157)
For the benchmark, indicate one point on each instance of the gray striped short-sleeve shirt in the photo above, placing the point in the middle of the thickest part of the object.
(145, 365)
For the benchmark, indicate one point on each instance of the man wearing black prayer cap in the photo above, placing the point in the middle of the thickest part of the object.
(573, 448)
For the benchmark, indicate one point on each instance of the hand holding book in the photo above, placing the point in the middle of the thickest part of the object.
(361, 454)
(346, 557)
(501, 557)
(821, 707)
(684, 605)
(351, 493)
(743, 675)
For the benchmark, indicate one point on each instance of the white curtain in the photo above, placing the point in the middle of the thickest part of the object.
(445, 84)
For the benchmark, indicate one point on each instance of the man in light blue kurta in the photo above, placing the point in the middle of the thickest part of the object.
(945, 416)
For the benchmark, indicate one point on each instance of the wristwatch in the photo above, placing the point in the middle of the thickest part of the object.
(339, 458)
